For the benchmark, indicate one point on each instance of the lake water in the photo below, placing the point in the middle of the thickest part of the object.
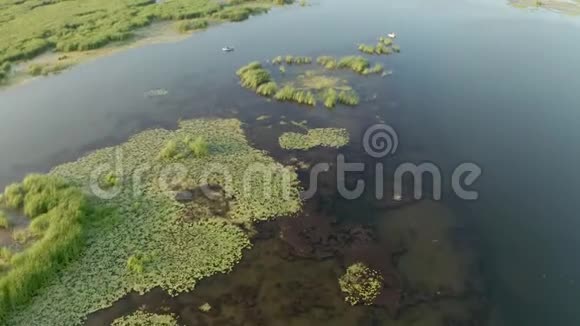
(476, 81)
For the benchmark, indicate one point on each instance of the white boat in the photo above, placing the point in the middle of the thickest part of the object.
(392, 35)
(227, 49)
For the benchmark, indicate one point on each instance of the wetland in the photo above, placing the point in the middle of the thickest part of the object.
(155, 245)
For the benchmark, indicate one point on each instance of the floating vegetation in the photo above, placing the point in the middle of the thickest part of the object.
(4, 221)
(206, 307)
(156, 92)
(360, 284)
(326, 137)
(141, 318)
(289, 93)
(292, 60)
(385, 46)
(170, 251)
(263, 117)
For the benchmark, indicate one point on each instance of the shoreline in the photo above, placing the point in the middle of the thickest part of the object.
(52, 62)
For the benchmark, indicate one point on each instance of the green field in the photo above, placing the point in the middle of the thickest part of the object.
(32, 27)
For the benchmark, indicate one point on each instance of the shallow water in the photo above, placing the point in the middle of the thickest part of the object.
(476, 81)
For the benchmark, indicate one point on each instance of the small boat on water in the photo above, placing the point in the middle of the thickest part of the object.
(227, 49)
(392, 35)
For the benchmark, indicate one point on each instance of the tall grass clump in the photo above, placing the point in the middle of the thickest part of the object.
(4, 221)
(5, 258)
(385, 46)
(285, 93)
(253, 75)
(304, 97)
(376, 69)
(327, 62)
(267, 89)
(60, 213)
(349, 98)
(199, 147)
(330, 98)
(355, 63)
(169, 151)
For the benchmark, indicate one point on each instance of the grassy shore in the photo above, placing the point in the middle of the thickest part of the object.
(32, 28)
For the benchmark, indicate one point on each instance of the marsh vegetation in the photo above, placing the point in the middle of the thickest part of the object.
(310, 87)
(324, 137)
(127, 249)
(141, 318)
(31, 28)
(385, 46)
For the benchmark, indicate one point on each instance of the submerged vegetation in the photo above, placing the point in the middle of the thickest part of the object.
(325, 137)
(152, 241)
(141, 318)
(360, 284)
(30, 28)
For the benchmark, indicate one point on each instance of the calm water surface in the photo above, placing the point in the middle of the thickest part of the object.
(476, 81)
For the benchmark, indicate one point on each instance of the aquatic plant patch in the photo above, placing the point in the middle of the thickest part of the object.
(326, 137)
(360, 284)
(149, 243)
(307, 89)
(385, 46)
(141, 318)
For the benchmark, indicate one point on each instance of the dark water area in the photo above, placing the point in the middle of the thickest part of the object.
(477, 81)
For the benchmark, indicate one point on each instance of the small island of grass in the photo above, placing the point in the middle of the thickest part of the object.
(385, 46)
(323, 137)
(309, 88)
